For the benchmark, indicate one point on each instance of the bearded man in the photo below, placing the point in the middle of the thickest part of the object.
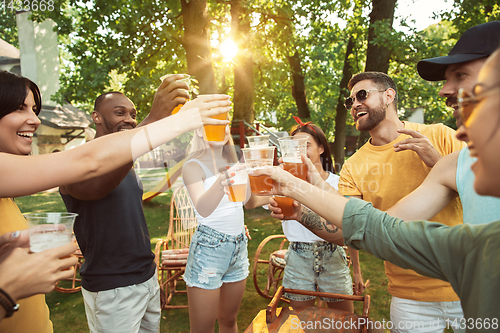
(393, 163)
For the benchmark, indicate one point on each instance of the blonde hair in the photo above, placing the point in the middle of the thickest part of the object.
(197, 147)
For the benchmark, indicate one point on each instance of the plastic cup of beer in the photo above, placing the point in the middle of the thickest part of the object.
(215, 132)
(291, 149)
(238, 189)
(258, 141)
(187, 80)
(49, 230)
(285, 204)
(256, 158)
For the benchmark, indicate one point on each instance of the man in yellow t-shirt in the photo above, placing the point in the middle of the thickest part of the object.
(393, 163)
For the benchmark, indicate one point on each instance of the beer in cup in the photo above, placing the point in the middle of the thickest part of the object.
(215, 132)
(238, 189)
(291, 149)
(285, 204)
(256, 158)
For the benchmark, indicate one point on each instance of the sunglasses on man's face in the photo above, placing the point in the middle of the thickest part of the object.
(467, 104)
(361, 97)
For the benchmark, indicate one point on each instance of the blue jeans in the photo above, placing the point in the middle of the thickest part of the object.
(319, 266)
(216, 258)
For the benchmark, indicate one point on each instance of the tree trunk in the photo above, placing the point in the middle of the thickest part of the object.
(341, 116)
(243, 64)
(299, 87)
(378, 55)
(197, 44)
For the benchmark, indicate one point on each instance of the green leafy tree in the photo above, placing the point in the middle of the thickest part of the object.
(99, 39)
(8, 30)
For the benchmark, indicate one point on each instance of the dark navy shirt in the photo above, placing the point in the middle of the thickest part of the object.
(113, 236)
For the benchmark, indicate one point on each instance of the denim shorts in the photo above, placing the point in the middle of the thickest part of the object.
(319, 266)
(216, 258)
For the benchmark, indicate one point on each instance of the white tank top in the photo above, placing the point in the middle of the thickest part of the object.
(228, 216)
(295, 231)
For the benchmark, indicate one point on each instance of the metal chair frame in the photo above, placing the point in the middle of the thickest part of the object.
(75, 279)
(275, 271)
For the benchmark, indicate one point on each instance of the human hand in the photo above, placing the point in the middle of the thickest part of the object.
(247, 232)
(171, 93)
(277, 213)
(285, 182)
(359, 285)
(231, 174)
(15, 239)
(420, 144)
(313, 176)
(207, 106)
(26, 274)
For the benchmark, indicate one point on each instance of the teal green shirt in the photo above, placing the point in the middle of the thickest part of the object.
(478, 209)
(467, 256)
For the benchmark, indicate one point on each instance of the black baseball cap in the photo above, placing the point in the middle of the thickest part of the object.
(477, 42)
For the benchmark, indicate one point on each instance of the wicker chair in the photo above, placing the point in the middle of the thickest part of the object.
(171, 253)
(72, 284)
(275, 266)
(285, 319)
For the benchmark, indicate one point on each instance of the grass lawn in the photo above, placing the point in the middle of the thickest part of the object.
(68, 313)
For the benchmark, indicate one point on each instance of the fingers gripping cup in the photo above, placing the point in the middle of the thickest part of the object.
(258, 141)
(285, 204)
(256, 158)
(238, 188)
(49, 230)
(291, 149)
(187, 80)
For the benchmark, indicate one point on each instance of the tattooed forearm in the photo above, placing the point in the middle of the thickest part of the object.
(313, 221)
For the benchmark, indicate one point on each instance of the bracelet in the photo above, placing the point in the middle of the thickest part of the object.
(147, 137)
(8, 303)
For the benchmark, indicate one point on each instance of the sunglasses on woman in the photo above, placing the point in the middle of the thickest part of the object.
(361, 97)
(467, 104)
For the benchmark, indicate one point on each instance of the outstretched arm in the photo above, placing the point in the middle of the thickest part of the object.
(205, 201)
(408, 245)
(312, 221)
(437, 190)
(328, 204)
(104, 154)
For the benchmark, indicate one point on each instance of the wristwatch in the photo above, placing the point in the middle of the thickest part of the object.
(8, 303)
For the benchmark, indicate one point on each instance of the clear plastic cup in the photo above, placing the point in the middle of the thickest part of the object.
(238, 189)
(256, 158)
(286, 205)
(291, 149)
(215, 132)
(258, 141)
(49, 230)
